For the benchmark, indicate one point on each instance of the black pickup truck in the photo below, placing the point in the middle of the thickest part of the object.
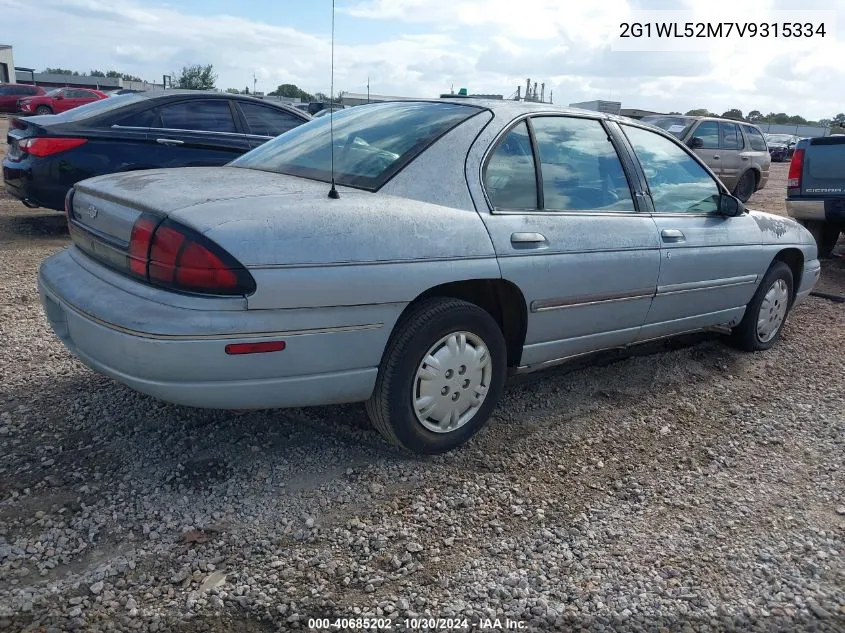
(815, 189)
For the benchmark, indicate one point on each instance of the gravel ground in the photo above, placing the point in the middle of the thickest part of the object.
(686, 487)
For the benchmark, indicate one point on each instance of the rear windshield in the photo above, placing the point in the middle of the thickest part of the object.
(676, 125)
(371, 142)
(96, 108)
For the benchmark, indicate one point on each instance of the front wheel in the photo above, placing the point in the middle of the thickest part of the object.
(441, 376)
(766, 313)
(745, 187)
(42, 109)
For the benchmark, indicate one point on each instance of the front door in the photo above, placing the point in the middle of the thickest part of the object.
(710, 263)
(709, 152)
(570, 237)
(734, 160)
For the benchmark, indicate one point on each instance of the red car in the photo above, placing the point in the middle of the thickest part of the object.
(11, 93)
(59, 100)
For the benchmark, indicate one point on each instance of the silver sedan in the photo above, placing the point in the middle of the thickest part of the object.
(411, 260)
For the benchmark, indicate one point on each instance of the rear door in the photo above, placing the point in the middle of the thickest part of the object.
(710, 151)
(567, 231)
(733, 157)
(198, 132)
(264, 122)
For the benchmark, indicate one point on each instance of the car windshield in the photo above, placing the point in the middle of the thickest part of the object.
(371, 142)
(778, 138)
(675, 125)
(53, 92)
(95, 108)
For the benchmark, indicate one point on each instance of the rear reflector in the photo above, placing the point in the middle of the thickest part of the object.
(255, 348)
(44, 146)
(796, 167)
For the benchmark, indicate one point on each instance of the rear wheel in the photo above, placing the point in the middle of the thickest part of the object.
(826, 235)
(766, 313)
(42, 109)
(441, 376)
(745, 187)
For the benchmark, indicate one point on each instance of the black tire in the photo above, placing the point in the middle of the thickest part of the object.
(42, 109)
(745, 336)
(390, 408)
(826, 235)
(746, 186)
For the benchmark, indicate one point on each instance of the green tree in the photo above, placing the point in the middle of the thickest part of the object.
(321, 96)
(96, 73)
(196, 77)
(233, 91)
(292, 91)
(755, 116)
(797, 120)
(699, 112)
(839, 119)
(60, 71)
(825, 122)
(733, 113)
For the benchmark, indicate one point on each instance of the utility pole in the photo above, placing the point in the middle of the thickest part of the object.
(528, 89)
(543, 92)
(551, 92)
(368, 88)
(254, 83)
(518, 93)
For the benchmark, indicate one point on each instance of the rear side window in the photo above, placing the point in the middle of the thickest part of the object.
(510, 178)
(708, 132)
(79, 94)
(212, 115)
(580, 168)
(144, 118)
(266, 121)
(755, 138)
(731, 136)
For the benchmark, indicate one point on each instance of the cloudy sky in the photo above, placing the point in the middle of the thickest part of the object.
(423, 47)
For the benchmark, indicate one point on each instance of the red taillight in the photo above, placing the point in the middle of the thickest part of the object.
(41, 146)
(796, 168)
(139, 245)
(177, 257)
(255, 348)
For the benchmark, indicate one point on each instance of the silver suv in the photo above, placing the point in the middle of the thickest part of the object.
(736, 151)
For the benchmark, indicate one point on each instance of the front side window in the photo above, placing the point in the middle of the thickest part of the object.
(755, 139)
(371, 142)
(677, 183)
(731, 136)
(267, 121)
(708, 132)
(580, 168)
(209, 115)
(510, 178)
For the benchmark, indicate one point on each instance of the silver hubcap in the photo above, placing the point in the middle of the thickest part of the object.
(452, 382)
(772, 311)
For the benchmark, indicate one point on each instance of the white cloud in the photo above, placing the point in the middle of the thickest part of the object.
(427, 45)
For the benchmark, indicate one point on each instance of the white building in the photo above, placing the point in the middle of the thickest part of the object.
(7, 65)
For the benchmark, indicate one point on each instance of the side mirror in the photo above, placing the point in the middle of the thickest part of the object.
(695, 142)
(730, 206)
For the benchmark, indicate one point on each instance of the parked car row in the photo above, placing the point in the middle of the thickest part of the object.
(411, 259)
(47, 155)
(781, 146)
(28, 99)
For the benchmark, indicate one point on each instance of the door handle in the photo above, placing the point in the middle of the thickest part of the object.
(672, 235)
(169, 141)
(744, 157)
(528, 240)
(715, 157)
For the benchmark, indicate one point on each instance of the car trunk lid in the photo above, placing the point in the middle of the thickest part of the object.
(104, 209)
(823, 172)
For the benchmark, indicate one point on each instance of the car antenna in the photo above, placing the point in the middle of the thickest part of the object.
(333, 194)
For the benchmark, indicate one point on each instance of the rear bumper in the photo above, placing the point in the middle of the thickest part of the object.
(29, 180)
(830, 210)
(319, 366)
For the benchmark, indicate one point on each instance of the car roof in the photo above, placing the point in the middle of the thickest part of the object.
(167, 95)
